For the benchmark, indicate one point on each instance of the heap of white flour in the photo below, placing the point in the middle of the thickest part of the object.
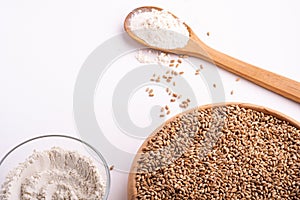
(55, 174)
(159, 29)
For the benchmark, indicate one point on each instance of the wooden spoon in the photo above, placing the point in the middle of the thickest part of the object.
(195, 47)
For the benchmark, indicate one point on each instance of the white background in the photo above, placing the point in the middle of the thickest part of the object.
(44, 43)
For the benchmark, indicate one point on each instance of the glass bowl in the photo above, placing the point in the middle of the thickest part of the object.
(21, 152)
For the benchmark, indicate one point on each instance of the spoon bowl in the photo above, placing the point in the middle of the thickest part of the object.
(195, 47)
(193, 43)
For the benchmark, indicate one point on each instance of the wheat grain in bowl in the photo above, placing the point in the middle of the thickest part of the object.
(232, 151)
(54, 167)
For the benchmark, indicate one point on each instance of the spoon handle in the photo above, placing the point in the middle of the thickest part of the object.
(269, 80)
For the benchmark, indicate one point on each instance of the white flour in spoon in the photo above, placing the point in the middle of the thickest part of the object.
(159, 29)
(55, 174)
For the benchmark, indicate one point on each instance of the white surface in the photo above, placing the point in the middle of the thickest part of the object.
(44, 43)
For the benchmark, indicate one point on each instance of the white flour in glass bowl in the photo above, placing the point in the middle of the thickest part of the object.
(54, 174)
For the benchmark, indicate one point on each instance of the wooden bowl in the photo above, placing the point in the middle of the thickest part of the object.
(132, 191)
